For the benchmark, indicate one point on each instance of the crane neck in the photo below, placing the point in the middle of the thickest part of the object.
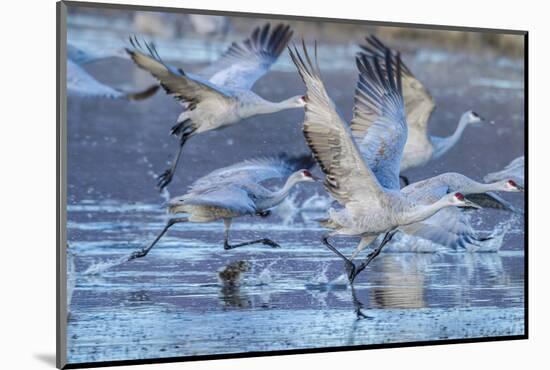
(443, 144)
(278, 196)
(267, 106)
(479, 187)
(419, 213)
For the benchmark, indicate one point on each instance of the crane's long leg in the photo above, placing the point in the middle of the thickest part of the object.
(227, 246)
(350, 266)
(389, 235)
(143, 252)
(358, 305)
(166, 177)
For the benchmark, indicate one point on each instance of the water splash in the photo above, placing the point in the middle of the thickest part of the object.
(405, 243)
(265, 277)
(98, 268)
(340, 281)
(496, 239)
(317, 202)
(288, 210)
(321, 280)
(321, 277)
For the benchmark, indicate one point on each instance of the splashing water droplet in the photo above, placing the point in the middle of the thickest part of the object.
(99, 268)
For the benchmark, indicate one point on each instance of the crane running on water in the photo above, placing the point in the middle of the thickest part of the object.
(236, 191)
(81, 83)
(451, 227)
(381, 146)
(219, 95)
(369, 209)
(421, 147)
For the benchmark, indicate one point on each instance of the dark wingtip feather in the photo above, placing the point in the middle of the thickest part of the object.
(375, 47)
(141, 95)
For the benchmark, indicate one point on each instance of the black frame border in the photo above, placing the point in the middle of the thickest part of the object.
(61, 185)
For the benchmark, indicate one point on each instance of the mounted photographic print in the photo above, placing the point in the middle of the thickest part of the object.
(234, 185)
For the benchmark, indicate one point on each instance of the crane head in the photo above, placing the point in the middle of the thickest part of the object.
(305, 175)
(459, 200)
(511, 185)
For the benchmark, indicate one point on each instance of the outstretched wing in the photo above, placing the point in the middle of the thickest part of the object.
(245, 62)
(419, 104)
(183, 86)
(254, 170)
(81, 83)
(450, 227)
(379, 125)
(491, 200)
(348, 178)
(515, 170)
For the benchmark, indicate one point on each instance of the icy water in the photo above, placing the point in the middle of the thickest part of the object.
(173, 303)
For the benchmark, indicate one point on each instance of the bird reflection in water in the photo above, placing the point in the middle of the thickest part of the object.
(230, 278)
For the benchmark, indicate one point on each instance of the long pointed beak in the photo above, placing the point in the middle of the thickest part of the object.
(520, 188)
(317, 179)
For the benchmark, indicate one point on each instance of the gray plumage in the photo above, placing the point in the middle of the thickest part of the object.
(220, 94)
(420, 147)
(451, 227)
(235, 191)
(238, 190)
(382, 150)
(369, 209)
(515, 171)
(81, 83)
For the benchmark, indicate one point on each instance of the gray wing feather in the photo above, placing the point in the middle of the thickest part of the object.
(183, 86)
(79, 56)
(379, 125)
(348, 178)
(450, 227)
(419, 104)
(491, 200)
(254, 171)
(515, 170)
(81, 83)
(245, 62)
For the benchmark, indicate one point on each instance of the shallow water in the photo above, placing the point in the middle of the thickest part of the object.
(172, 302)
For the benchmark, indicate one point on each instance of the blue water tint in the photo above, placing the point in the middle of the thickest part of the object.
(173, 302)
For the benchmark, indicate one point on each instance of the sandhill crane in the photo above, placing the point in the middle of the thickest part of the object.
(219, 95)
(450, 227)
(421, 147)
(236, 191)
(369, 208)
(514, 170)
(81, 83)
